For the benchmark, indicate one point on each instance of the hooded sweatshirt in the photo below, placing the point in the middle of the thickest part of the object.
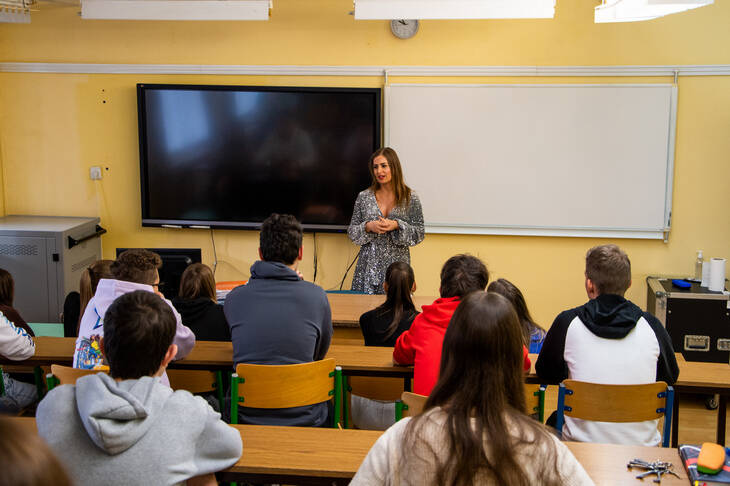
(132, 432)
(88, 344)
(609, 340)
(421, 344)
(277, 319)
(204, 317)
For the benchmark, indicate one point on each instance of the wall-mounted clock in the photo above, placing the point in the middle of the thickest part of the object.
(404, 29)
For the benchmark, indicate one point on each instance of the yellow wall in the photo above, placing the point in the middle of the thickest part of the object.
(53, 127)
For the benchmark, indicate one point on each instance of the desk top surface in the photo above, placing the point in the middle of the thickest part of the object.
(213, 354)
(333, 453)
(347, 308)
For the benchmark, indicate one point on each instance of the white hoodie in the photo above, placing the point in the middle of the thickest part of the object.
(88, 348)
(15, 343)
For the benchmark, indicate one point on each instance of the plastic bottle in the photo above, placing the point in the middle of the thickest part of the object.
(698, 266)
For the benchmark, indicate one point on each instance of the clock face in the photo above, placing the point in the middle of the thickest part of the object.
(404, 29)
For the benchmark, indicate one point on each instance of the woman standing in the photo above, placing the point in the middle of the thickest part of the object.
(387, 219)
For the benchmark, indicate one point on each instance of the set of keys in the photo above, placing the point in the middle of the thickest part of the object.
(657, 467)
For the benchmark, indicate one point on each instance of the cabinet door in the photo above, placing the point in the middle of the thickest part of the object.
(27, 260)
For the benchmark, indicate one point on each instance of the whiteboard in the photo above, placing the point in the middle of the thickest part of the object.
(560, 160)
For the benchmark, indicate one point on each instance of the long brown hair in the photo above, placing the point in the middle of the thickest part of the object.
(90, 279)
(25, 459)
(400, 279)
(7, 288)
(400, 189)
(507, 289)
(197, 281)
(481, 392)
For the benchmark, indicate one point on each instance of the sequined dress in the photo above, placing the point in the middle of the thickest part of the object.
(377, 252)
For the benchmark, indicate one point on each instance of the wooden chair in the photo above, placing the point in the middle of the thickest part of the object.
(286, 386)
(197, 381)
(535, 400)
(616, 403)
(409, 405)
(372, 387)
(65, 375)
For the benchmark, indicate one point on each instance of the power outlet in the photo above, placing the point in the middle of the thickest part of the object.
(95, 173)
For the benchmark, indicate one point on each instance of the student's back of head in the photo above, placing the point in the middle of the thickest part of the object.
(197, 281)
(90, 279)
(25, 459)
(481, 392)
(7, 288)
(138, 330)
(462, 274)
(137, 265)
(507, 289)
(280, 239)
(608, 269)
(399, 282)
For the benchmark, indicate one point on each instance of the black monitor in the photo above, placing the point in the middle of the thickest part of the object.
(229, 156)
(174, 263)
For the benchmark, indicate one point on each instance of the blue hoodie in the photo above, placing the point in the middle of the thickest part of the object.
(276, 319)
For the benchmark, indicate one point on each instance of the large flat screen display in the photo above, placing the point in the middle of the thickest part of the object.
(229, 156)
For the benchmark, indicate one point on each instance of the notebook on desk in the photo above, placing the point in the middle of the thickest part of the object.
(689, 454)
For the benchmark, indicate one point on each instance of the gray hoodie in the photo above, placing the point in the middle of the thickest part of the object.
(134, 432)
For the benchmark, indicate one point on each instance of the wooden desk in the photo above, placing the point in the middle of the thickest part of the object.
(347, 308)
(300, 455)
(694, 377)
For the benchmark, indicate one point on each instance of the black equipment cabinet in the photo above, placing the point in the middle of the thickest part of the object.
(697, 319)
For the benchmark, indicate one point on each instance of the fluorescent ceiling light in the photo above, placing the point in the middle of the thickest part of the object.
(176, 9)
(454, 9)
(637, 10)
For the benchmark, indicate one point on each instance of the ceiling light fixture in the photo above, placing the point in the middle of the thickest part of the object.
(638, 10)
(176, 9)
(453, 9)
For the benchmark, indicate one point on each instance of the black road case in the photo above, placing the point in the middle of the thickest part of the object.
(697, 319)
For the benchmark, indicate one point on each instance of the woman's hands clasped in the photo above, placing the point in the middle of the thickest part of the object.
(381, 226)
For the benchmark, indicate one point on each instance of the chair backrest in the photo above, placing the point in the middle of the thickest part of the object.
(286, 386)
(616, 403)
(197, 381)
(535, 401)
(65, 375)
(376, 388)
(410, 404)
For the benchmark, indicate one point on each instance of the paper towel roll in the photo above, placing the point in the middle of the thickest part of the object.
(717, 274)
(705, 274)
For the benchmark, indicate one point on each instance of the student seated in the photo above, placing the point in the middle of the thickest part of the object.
(533, 335)
(420, 346)
(196, 302)
(381, 327)
(277, 318)
(127, 427)
(76, 302)
(608, 340)
(473, 429)
(134, 269)
(25, 460)
(15, 344)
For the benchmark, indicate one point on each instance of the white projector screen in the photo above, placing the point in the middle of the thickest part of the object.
(556, 160)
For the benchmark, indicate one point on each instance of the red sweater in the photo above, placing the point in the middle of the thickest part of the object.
(421, 344)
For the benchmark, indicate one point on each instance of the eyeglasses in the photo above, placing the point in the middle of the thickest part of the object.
(159, 286)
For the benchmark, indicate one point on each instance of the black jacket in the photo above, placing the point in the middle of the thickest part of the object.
(204, 317)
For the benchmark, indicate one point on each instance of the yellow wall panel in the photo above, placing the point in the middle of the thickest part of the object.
(53, 127)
